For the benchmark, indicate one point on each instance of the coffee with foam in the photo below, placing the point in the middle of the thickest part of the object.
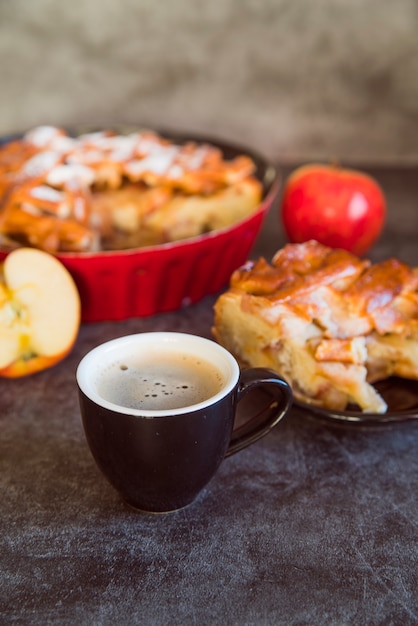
(160, 381)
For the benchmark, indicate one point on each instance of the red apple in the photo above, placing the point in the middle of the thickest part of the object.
(39, 312)
(339, 207)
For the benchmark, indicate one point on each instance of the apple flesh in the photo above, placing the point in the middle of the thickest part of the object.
(40, 312)
(340, 208)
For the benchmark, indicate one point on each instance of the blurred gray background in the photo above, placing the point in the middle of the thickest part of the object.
(296, 79)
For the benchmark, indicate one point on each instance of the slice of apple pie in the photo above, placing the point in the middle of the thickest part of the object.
(330, 323)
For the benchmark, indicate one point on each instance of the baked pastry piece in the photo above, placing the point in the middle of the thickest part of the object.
(109, 191)
(330, 323)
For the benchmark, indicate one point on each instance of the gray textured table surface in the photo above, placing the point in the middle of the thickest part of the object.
(314, 525)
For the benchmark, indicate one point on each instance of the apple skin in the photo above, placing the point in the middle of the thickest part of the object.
(26, 367)
(336, 206)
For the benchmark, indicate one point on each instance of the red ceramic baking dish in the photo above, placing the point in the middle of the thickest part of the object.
(116, 285)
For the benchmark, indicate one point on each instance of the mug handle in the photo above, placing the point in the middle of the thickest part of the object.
(254, 428)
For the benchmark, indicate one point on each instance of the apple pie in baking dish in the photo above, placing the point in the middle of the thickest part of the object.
(330, 323)
(106, 191)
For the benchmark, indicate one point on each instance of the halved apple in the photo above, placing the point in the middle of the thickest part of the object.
(40, 312)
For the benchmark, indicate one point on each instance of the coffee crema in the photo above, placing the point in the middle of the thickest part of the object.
(161, 381)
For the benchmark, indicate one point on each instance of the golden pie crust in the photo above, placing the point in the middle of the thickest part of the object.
(105, 190)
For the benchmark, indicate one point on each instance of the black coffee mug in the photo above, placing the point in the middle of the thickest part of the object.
(160, 458)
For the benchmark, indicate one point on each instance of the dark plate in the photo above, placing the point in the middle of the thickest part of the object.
(400, 395)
